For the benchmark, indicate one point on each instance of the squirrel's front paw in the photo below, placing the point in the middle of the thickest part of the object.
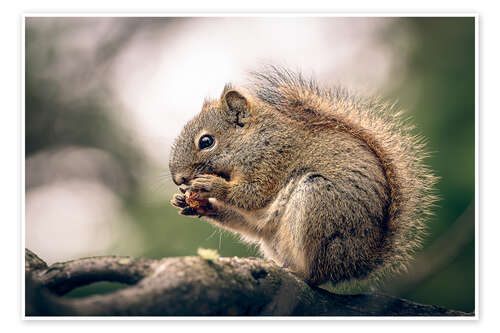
(210, 186)
(179, 200)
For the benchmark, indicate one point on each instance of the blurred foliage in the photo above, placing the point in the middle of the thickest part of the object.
(170, 234)
(102, 287)
(438, 89)
(87, 120)
(437, 86)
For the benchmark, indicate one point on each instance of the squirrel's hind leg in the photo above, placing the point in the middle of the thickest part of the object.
(319, 234)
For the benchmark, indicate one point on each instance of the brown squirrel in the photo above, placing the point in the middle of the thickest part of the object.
(329, 185)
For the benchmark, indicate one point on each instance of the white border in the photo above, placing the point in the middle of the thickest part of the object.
(265, 14)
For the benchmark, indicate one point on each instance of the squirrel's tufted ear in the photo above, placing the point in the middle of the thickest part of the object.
(238, 107)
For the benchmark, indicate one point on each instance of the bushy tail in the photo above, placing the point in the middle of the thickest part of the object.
(384, 130)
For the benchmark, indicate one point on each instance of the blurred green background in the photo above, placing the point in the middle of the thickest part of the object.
(97, 180)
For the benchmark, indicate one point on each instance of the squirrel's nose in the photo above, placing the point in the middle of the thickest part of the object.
(179, 179)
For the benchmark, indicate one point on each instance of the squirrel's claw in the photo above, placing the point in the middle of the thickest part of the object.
(179, 200)
(200, 211)
(203, 183)
(189, 211)
(209, 186)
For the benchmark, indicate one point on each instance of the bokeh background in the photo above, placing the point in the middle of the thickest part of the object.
(106, 96)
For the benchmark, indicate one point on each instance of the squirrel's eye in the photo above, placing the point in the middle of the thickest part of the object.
(206, 141)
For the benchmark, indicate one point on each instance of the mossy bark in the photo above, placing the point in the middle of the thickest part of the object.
(193, 286)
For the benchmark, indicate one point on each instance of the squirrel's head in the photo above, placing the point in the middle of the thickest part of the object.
(207, 144)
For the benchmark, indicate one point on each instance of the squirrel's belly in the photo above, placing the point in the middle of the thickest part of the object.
(267, 220)
(275, 226)
(278, 229)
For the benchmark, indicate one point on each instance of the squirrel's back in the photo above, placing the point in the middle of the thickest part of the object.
(384, 131)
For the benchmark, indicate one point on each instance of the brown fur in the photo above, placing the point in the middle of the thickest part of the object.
(330, 185)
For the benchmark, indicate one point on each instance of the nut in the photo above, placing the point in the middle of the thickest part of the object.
(193, 200)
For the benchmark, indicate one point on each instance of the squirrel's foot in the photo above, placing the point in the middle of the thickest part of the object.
(210, 186)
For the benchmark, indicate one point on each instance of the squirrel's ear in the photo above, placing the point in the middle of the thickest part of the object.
(238, 107)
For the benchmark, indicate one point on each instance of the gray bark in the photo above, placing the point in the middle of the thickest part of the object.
(193, 286)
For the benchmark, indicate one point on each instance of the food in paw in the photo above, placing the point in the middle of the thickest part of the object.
(194, 201)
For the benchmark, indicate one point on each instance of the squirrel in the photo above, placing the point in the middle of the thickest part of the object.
(331, 186)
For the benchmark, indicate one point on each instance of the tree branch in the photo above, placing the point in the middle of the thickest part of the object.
(193, 286)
